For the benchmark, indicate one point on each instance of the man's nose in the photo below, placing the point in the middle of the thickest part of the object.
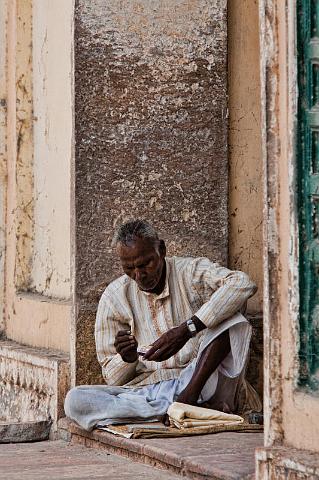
(139, 274)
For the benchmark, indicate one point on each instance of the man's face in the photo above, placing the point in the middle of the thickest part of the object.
(143, 261)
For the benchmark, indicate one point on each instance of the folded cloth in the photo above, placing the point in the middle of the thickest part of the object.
(189, 416)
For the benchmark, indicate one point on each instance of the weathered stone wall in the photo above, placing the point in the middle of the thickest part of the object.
(151, 136)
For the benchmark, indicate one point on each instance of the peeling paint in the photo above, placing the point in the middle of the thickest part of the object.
(24, 147)
(38, 182)
(273, 394)
(3, 153)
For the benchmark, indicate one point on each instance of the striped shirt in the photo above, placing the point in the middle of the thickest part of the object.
(194, 286)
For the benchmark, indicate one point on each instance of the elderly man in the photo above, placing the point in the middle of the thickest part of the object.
(169, 329)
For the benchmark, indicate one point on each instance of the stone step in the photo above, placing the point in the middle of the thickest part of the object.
(56, 460)
(222, 456)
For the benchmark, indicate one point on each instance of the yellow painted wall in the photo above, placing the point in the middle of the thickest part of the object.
(37, 304)
(52, 152)
(245, 159)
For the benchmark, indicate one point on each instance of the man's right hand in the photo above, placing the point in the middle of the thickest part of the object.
(126, 345)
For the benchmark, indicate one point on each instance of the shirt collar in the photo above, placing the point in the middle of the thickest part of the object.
(165, 292)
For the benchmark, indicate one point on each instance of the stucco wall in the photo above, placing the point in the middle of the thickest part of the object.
(151, 136)
(39, 151)
(245, 155)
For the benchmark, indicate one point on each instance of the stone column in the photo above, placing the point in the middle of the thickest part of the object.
(150, 138)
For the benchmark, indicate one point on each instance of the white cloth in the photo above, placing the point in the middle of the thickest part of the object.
(90, 405)
(194, 286)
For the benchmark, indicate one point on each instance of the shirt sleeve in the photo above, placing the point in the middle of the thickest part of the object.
(224, 291)
(108, 322)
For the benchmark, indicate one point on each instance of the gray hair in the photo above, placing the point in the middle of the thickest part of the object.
(129, 231)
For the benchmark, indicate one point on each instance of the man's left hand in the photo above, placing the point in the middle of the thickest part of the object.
(168, 344)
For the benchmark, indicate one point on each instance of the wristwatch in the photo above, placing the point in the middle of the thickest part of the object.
(191, 327)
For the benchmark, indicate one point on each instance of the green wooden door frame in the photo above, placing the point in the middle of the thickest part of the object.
(308, 188)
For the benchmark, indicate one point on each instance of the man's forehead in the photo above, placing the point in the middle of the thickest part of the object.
(136, 248)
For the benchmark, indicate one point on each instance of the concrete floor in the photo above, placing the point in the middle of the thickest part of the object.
(58, 460)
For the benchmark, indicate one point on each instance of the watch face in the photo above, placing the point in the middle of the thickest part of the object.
(191, 327)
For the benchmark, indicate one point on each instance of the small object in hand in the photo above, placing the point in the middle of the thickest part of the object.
(143, 350)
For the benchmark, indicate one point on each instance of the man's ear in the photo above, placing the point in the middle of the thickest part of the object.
(162, 248)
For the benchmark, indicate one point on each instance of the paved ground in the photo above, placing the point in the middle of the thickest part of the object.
(58, 460)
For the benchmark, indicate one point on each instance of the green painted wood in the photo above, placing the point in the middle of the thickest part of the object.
(313, 115)
(308, 188)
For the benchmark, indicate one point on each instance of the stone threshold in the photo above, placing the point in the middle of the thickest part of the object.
(282, 462)
(222, 456)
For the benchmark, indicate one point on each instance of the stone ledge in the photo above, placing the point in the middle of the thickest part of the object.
(281, 463)
(223, 456)
(33, 383)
